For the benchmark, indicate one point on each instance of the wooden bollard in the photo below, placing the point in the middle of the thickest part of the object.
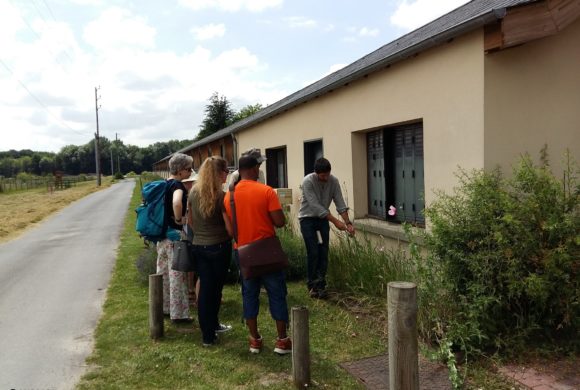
(156, 306)
(403, 353)
(300, 347)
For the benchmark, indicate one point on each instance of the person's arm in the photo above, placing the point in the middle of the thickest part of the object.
(278, 218)
(341, 208)
(347, 223)
(336, 222)
(178, 207)
(228, 223)
(190, 218)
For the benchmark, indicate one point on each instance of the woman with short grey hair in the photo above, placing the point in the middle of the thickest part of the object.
(178, 162)
(175, 290)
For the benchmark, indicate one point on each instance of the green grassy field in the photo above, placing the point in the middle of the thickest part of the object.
(125, 356)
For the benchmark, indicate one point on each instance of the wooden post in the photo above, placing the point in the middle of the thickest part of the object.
(156, 306)
(403, 353)
(300, 347)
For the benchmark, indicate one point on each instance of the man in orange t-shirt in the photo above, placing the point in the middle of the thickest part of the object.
(258, 212)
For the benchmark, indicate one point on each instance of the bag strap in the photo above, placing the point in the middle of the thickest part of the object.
(233, 210)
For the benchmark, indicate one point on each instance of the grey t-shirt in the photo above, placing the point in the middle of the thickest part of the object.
(207, 231)
(317, 195)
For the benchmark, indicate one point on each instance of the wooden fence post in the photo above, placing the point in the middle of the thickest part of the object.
(403, 352)
(300, 347)
(156, 306)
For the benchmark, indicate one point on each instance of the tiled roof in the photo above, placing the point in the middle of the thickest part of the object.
(468, 17)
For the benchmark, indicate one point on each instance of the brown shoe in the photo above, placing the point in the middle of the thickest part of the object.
(283, 346)
(256, 344)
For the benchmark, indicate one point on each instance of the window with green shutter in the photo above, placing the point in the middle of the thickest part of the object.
(395, 173)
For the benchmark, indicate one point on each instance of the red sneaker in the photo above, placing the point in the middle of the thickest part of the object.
(255, 345)
(283, 346)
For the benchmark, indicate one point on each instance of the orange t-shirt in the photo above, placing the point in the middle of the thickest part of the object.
(254, 201)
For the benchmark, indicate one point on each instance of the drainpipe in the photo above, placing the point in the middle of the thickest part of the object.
(235, 143)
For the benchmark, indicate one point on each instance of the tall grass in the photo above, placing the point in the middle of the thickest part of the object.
(294, 247)
(358, 265)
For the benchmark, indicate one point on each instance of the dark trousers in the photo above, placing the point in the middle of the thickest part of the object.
(212, 262)
(316, 254)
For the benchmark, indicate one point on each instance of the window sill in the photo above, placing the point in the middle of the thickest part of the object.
(383, 228)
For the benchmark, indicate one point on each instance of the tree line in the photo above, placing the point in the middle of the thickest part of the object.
(77, 159)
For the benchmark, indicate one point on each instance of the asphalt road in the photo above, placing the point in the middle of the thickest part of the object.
(53, 281)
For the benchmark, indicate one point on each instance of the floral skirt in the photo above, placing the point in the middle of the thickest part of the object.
(175, 291)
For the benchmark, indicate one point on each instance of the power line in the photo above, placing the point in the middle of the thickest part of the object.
(49, 10)
(45, 22)
(40, 38)
(38, 100)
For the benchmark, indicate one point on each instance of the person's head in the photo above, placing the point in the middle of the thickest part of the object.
(322, 168)
(249, 168)
(180, 166)
(212, 174)
(256, 153)
(190, 181)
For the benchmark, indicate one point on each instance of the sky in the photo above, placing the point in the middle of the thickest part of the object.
(155, 64)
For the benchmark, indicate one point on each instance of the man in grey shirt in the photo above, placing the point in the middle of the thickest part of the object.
(319, 189)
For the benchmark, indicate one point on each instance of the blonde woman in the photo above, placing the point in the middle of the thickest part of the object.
(212, 246)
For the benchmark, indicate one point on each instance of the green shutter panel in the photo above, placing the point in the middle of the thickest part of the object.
(409, 172)
(399, 174)
(376, 174)
(419, 180)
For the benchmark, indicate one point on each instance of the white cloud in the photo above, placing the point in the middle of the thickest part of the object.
(300, 22)
(368, 32)
(334, 68)
(10, 24)
(231, 5)
(118, 28)
(209, 31)
(412, 14)
(87, 2)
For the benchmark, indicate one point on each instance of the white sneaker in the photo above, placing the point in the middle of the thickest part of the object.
(223, 328)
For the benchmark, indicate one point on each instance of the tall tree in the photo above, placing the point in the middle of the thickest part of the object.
(218, 115)
(246, 112)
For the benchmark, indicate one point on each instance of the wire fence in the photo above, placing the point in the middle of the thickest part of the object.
(50, 183)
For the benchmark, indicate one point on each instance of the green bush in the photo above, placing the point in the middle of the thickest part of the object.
(146, 264)
(118, 176)
(503, 270)
(149, 176)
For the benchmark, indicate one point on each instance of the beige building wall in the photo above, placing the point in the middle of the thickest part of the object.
(442, 87)
(532, 98)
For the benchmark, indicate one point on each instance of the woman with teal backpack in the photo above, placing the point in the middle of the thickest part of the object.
(175, 290)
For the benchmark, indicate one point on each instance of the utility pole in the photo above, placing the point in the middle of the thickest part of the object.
(117, 150)
(97, 152)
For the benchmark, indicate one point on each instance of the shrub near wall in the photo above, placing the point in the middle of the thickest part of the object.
(505, 256)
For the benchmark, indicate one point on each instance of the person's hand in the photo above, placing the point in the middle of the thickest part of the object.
(340, 225)
(350, 229)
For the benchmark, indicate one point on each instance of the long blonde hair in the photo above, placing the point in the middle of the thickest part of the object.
(208, 187)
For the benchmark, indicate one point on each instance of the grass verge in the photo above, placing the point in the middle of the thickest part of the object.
(125, 357)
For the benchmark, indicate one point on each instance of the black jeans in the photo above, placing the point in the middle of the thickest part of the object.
(317, 254)
(212, 262)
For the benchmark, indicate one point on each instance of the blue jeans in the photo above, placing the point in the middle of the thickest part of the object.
(275, 285)
(212, 262)
(316, 254)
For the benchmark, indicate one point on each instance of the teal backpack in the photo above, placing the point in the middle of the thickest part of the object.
(151, 213)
